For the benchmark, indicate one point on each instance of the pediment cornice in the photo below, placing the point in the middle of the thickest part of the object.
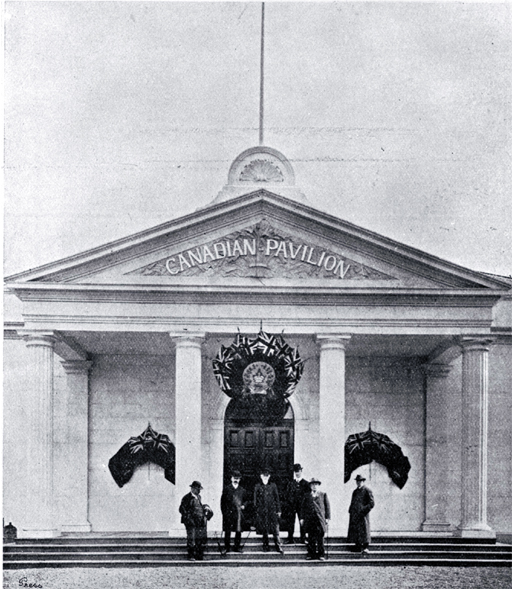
(288, 219)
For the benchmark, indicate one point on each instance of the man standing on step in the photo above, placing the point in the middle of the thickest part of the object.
(268, 510)
(195, 516)
(232, 505)
(315, 514)
(296, 489)
(359, 524)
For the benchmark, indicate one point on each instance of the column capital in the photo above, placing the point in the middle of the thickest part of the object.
(475, 344)
(39, 338)
(189, 339)
(437, 370)
(76, 366)
(329, 341)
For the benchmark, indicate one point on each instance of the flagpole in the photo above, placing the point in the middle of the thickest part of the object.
(262, 68)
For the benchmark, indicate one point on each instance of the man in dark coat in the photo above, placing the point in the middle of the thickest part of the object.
(232, 504)
(315, 514)
(295, 491)
(359, 524)
(195, 516)
(268, 510)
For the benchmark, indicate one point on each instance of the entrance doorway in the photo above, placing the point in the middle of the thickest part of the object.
(259, 432)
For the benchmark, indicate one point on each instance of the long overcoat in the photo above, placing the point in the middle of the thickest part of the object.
(231, 503)
(315, 511)
(359, 524)
(294, 495)
(267, 506)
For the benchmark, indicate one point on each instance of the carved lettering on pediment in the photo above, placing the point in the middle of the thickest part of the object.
(261, 252)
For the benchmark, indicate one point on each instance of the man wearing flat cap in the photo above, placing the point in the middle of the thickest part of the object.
(315, 514)
(295, 491)
(195, 516)
(232, 503)
(359, 524)
(268, 510)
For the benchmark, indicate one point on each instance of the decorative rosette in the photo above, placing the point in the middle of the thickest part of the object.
(264, 365)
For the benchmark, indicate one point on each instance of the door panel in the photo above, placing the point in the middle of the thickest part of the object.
(248, 447)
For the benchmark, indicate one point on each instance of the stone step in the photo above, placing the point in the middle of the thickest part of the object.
(165, 551)
(50, 546)
(253, 538)
(367, 561)
(178, 554)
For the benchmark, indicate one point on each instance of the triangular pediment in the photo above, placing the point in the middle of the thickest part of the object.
(259, 238)
(261, 250)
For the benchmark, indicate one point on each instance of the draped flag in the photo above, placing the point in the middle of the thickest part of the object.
(265, 364)
(364, 447)
(150, 446)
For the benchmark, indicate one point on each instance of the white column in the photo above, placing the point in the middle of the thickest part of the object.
(188, 415)
(39, 499)
(436, 434)
(75, 493)
(332, 426)
(216, 469)
(475, 379)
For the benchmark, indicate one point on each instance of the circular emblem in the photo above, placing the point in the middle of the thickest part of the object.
(259, 377)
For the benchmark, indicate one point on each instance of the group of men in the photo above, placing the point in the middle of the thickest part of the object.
(302, 500)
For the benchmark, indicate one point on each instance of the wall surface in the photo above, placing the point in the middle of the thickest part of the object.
(500, 439)
(127, 392)
(16, 395)
(388, 393)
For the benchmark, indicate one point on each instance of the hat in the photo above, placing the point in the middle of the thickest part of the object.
(297, 467)
(360, 478)
(315, 481)
(196, 484)
(236, 474)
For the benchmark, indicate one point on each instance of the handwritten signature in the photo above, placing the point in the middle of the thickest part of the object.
(23, 582)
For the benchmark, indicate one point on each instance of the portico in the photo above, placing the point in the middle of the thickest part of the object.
(125, 335)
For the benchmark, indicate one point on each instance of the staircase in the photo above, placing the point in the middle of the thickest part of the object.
(164, 551)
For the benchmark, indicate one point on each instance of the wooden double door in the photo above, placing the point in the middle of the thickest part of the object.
(250, 445)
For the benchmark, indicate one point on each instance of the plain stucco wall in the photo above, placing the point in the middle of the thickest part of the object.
(388, 393)
(127, 392)
(500, 439)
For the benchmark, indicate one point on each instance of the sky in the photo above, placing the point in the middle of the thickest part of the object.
(120, 116)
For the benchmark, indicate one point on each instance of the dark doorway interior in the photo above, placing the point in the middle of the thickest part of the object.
(258, 432)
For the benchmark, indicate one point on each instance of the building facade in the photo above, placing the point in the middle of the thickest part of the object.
(104, 343)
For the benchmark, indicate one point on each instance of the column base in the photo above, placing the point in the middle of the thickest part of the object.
(431, 526)
(38, 534)
(479, 531)
(76, 528)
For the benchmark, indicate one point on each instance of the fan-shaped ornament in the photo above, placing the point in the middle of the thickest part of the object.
(261, 171)
(265, 365)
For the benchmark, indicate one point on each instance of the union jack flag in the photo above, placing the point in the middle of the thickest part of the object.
(293, 363)
(162, 442)
(136, 444)
(290, 388)
(281, 347)
(266, 343)
(240, 342)
(222, 380)
(226, 356)
(359, 442)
